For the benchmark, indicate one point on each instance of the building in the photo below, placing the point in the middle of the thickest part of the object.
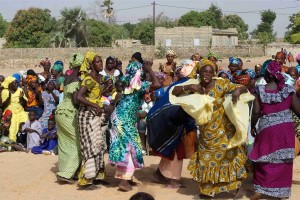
(195, 37)
(126, 43)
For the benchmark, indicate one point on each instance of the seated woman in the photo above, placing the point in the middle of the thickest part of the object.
(33, 129)
(5, 142)
(49, 135)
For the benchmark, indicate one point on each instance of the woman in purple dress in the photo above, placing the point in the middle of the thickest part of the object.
(273, 150)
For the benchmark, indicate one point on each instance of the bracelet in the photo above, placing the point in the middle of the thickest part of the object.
(183, 90)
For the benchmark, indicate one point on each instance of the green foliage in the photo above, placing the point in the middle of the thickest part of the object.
(292, 35)
(30, 28)
(118, 32)
(264, 30)
(72, 28)
(143, 31)
(3, 25)
(98, 33)
(235, 21)
(160, 51)
(217, 13)
(130, 27)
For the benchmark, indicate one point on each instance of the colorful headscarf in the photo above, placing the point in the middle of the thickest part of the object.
(281, 55)
(132, 78)
(187, 68)
(31, 78)
(106, 78)
(59, 62)
(206, 62)
(58, 67)
(264, 67)
(8, 80)
(45, 62)
(212, 54)
(274, 70)
(234, 60)
(18, 77)
(227, 74)
(87, 62)
(298, 57)
(6, 113)
(171, 53)
(241, 78)
(76, 60)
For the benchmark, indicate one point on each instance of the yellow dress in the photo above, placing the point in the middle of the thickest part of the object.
(216, 167)
(94, 90)
(18, 113)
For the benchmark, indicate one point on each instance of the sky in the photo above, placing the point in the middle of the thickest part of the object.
(133, 10)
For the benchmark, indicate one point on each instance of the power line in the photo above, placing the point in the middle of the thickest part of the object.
(133, 8)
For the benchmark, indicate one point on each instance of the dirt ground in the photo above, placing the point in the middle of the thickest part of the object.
(29, 176)
(248, 63)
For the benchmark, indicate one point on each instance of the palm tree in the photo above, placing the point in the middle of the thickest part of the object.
(108, 11)
(72, 27)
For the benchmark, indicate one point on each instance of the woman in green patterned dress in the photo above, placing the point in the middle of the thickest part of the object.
(67, 127)
(125, 147)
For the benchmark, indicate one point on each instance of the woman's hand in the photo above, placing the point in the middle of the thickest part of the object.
(99, 110)
(236, 96)
(196, 88)
(148, 65)
(253, 132)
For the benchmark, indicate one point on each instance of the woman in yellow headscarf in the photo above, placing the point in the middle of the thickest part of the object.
(214, 165)
(87, 63)
(13, 99)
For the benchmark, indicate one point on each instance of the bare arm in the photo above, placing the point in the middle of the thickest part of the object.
(181, 90)
(256, 113)
(81, 99)
(56, 98)
(155, 82)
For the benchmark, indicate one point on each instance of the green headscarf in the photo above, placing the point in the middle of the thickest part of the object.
(212, 54)
(58, 67)
(76, 60)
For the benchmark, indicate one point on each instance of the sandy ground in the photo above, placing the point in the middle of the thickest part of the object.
(29, 176)
(248, 63)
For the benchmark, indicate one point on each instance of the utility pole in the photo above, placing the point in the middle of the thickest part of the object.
(153, 28)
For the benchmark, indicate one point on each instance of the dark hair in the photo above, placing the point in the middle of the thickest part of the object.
(31, 72)
(138, 57)
(109, 59)
(32, 111)
(142, 196)
(119, 82)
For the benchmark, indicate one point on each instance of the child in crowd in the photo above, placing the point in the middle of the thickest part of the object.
(257, 70)
(33, 129)
(49, 135)
(225, 75)
(117, 94)
(108, 86)
(141, 114)
(5, 142)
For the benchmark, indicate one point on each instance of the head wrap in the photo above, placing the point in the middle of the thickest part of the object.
(298, 57)
(227, 74)
(58, 67)
(18, 77)
(8, 80)
(6, 113)
(87, 62)
(106, 78)
(206, 62)
(212, 54)
(69, 72)
(76, 60)
(171, 53)
(264, 67)
(292, 69)
(281, 55)
(138, 57)
(241, 78)
(274, 70)
(31, 78)
(160, 74)
(235, 61)
(197, 56)
(31, 72)
(58, 62)
(132, 78)
(45, 62)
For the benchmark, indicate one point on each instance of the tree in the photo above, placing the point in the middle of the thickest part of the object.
(235, 21)
(130, 28)
(217, 13)
(30, 28)
(98, 33)
(143, 31)
(3, 26)
(264, 30)
(71, 27)
(107, 12)
(293, 34)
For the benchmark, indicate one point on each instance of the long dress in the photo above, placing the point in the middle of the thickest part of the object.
(67, 132)
(18, 113)
(273, 149)
(125, 144)
(217, 168)
(49, 105)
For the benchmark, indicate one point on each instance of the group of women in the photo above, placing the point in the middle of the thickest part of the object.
(193, 96)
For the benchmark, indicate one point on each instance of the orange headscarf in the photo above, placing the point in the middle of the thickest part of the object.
(31, 78)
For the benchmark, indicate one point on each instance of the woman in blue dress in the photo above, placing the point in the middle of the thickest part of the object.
(126, 148)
